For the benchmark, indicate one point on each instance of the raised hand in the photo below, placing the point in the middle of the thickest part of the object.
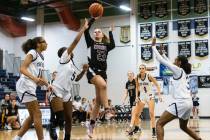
(111, 28)
(85, 67)
(86, 24)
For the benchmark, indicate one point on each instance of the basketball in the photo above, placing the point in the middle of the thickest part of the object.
(96, 10)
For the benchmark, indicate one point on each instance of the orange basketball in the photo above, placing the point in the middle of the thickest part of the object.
(96, 10)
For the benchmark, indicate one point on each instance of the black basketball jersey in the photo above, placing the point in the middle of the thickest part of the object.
(131, 87)
(98, 50)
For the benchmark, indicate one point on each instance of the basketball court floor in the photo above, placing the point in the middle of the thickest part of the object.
(116, 131)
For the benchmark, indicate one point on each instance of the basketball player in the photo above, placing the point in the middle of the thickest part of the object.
(31, 70)
(196, 104)
(61, 100)
(181, 105)
(144, 83)
(130, 89)
(53, 118)
(96, 74)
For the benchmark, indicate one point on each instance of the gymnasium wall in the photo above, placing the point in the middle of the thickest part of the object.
(6, 42)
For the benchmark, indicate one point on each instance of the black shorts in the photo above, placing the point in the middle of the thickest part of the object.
(195, 103)
(93, 71)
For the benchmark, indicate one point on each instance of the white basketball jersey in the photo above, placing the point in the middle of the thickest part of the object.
(180, 87)
(145, 85)
(35, 68)
(65, 73)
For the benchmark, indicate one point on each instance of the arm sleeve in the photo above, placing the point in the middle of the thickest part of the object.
(88, 39)
(176, 70)
(112, 43)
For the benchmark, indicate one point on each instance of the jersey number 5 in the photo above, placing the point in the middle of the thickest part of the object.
(73, 76)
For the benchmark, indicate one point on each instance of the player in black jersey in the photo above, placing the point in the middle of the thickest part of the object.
(130, 89)
(96, 74)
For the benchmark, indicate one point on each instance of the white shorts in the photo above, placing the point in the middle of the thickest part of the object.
(26, 90)
(64, 94)
(145, 97)
(181, 109)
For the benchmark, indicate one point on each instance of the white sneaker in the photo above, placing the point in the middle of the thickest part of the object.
(90, 129)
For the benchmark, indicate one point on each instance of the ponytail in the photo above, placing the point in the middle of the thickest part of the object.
(185, 65)
(30, 44)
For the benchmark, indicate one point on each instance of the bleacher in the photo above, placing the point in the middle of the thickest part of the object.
(8, 85)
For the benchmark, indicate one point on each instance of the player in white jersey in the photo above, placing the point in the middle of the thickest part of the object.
(61, 102)
(144, 83)
(181, 105)
(31, 70)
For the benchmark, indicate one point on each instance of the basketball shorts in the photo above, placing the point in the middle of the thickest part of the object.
(181, 108)
(63, 94)
(145, 97)
(26, 90)
(93, 71)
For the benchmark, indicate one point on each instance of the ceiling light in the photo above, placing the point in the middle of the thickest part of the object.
(28, 19)
(126, 8)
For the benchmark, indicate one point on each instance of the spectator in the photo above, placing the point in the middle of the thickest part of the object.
(196, 104)
(3, 106)
(83, 110)
(112, 109)
(12, 115)
(90, 107)
(76, 107)
(6, 101)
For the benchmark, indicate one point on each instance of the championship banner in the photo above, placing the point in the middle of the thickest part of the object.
(161, 29)
(184, 48)
(183, 7)
(201, 26)
(200, 6)
(146, 52)
(125, 34)
(165, 47)
(184, 28)
(161, 8)
(201, 48)
(145, 10)
(146, 31)
(204, 81)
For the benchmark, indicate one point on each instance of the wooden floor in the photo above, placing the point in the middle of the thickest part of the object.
(116, 131)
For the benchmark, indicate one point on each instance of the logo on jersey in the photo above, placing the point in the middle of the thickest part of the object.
(40, 64)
